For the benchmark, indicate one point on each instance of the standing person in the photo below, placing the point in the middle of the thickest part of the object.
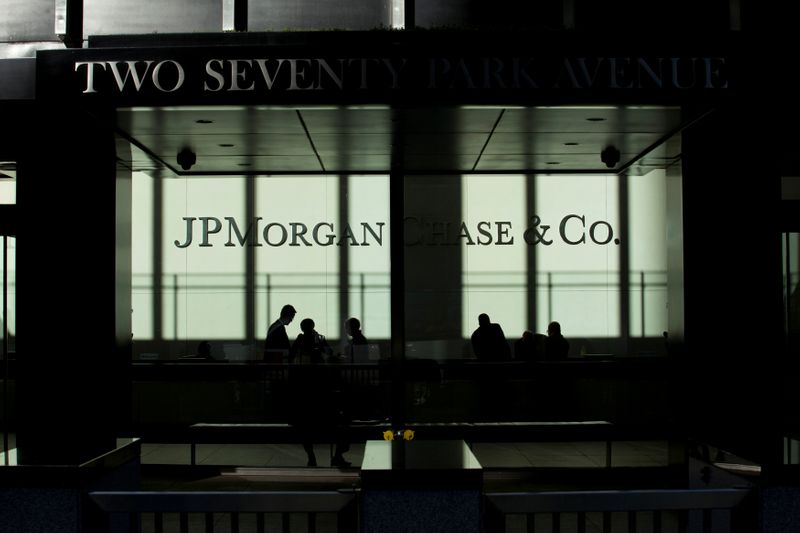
(556, 346)
(357, 342)
(489, 342)
(318, 408)
(276, 346)
(310, 346)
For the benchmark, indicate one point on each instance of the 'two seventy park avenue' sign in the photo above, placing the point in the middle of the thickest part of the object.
(264, 74)
(572, 229)
(276, 74)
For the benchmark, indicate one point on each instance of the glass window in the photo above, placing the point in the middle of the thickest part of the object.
(578, 271)
(215, 258)
(297, 261)
(369, 284)
(647, 249)
(495, 259)
(477, 244)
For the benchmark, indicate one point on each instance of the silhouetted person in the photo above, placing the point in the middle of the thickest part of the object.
(556, 346)
(530, 347)
(204, 351)
(310, 346)
(489, 342)
(318, 406)
(276, 346)
(357, 343)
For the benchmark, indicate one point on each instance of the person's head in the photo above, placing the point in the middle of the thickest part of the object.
(553, 328)
(483, 319)
(527, 335)
(306, 325)
(287, 313)
(352, 325)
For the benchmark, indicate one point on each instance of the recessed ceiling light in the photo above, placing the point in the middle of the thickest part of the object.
(225, 145)
(243, 164)
(571, 144)
(204, 121)
(553, 163)
(595, 119)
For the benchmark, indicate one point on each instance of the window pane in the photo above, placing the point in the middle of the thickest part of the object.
(369, 289)
(298, 263)
(495, 280)
(578, 273)
(647, 248)
(203, 296)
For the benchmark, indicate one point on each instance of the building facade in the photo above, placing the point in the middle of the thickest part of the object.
(176, 172)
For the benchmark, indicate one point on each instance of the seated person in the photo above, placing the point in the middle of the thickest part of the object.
(357, 344)
(203, 353)
(556, 346)
(489, 342)
(204, 350)
(530, 347)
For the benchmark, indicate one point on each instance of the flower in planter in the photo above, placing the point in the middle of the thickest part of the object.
(408, 434)
(388, 435)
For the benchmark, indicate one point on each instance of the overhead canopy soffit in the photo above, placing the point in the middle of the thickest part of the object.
(374, 139)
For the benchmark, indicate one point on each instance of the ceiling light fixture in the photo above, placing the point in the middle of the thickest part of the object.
(204, 121)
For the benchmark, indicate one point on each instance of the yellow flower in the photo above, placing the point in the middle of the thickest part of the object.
(408, 434)
(388, 435)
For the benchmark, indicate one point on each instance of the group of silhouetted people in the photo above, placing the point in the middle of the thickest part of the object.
(309, 346)
(318, 399)
(489, 343)
(319, 403)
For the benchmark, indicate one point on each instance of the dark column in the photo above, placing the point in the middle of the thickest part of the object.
(74, 289)
(398, 275)
(433, 266)
(732, 283)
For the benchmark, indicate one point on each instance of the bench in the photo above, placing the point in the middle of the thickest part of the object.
(273, 433)
(538, 431)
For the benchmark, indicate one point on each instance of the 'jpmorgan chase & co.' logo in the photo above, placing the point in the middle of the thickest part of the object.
(571, 229)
